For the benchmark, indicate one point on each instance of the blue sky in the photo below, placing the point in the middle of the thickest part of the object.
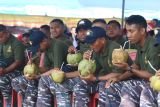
(81, 8)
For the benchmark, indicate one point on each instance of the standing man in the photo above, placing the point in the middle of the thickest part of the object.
(11, 61)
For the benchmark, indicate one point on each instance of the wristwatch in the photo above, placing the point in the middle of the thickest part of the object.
(130, 69)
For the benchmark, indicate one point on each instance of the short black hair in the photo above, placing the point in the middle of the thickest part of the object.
(138, 20)
(57, 21)
(115, 22)
(46, 27)
(3, 28)
(157, 21)
(99, 20)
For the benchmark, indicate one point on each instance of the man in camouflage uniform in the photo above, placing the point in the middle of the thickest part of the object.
(47, 87)
(28, 86)
(149, 97)
(11, 61)
(126, 92)
(102, 48)
(55, 55)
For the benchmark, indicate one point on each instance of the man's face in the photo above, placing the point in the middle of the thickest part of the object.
(81, 34)
(98, 45)
(113, 30)
(4, 36)
(56, 29)
(44, 44)
(134, 33)
(99, 24)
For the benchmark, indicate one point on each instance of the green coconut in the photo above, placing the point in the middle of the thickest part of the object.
(74, 59)
(155, 83)
(58, 76)
(86, 67)
(30, 70)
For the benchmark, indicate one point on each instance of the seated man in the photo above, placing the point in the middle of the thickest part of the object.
(11, 60)
(129, 85)
(102, 54)
(25, 85)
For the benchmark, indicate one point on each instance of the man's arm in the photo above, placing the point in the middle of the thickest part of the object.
(108, 76)
(142, 73)
(13, 66)
(72, 74)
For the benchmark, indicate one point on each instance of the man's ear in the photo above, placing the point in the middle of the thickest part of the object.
(143, 31)
(102, 40)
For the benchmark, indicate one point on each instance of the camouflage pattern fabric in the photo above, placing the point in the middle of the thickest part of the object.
(47, 88)
(131, 91)
(83, 90)
(149, 97)
(27, 88)
(5, 85)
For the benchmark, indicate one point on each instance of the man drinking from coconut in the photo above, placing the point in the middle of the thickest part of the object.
(47, 87)
(27, 84)
(150, 95)
(50, 82)
(64, 92)
(102, 54)
(11, 62)
(81, 30)
(129, 85)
